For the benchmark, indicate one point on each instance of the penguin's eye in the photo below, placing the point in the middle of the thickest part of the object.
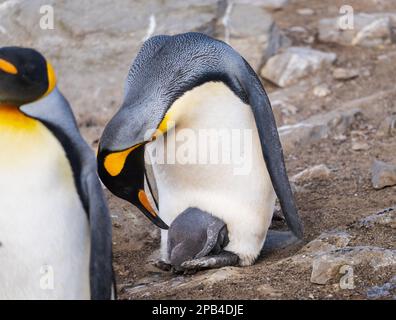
(29, 68)
(30, 74)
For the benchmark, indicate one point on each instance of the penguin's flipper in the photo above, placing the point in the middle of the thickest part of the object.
(271, 145)
(223, 259)
(101, 244)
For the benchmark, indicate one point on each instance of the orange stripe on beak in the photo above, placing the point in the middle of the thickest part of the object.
(145, 202)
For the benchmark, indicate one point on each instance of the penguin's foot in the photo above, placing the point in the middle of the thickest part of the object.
(162, 265)
(277, 240)
(224, 259)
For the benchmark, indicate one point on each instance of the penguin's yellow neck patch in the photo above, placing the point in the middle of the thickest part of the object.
(51, 79)
(24, 141)
(189, 106)
(11, 118)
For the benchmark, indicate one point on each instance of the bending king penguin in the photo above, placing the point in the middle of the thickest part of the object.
(195, 82)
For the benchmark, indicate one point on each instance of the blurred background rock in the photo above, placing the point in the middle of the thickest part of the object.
(94, 42)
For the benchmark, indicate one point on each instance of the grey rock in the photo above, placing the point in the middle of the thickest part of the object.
(159, 282)
(331, 252)
(298, 29)
(327, 241)
(321, 90)
(345, 74)
(268, 4)
(334, 123)
(295, 63)
(296, 92)
(318, 127)
(286, 107)
(260, 21)
(386, 290)
(268, 291)
(369, 30)
(360, 146)
(387, 127)
(383, 174)
(371, 105)
(221, 274)
(320, 172)
(386, 217)
(283, 111)
(376, 33)
(305, 11)
(252, 32)
(327, 265)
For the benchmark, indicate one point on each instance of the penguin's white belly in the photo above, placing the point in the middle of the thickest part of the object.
(44, 232)
(239, 192)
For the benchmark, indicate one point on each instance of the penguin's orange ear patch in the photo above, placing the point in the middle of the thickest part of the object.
(8, 67)
(114, 162)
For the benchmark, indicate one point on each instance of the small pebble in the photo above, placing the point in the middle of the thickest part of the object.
(360, 146)
(345, 74)
(321, 91)
(305, 12)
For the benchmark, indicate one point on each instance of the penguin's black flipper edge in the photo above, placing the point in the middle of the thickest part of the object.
(101, 270)
(271, 146)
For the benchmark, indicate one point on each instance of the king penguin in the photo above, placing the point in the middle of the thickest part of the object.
(194, 82)
(55, 229)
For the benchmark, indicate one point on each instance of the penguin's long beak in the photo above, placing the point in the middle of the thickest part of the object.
(8, 67)
(123, 172)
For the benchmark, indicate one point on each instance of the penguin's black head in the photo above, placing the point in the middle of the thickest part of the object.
(25, 76)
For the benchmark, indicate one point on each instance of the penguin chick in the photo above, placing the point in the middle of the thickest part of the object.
(196, 241)
(195, 234)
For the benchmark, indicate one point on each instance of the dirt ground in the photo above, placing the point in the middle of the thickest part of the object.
(323, 205)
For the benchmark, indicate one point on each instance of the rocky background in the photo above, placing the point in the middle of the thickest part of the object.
(333, 94)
